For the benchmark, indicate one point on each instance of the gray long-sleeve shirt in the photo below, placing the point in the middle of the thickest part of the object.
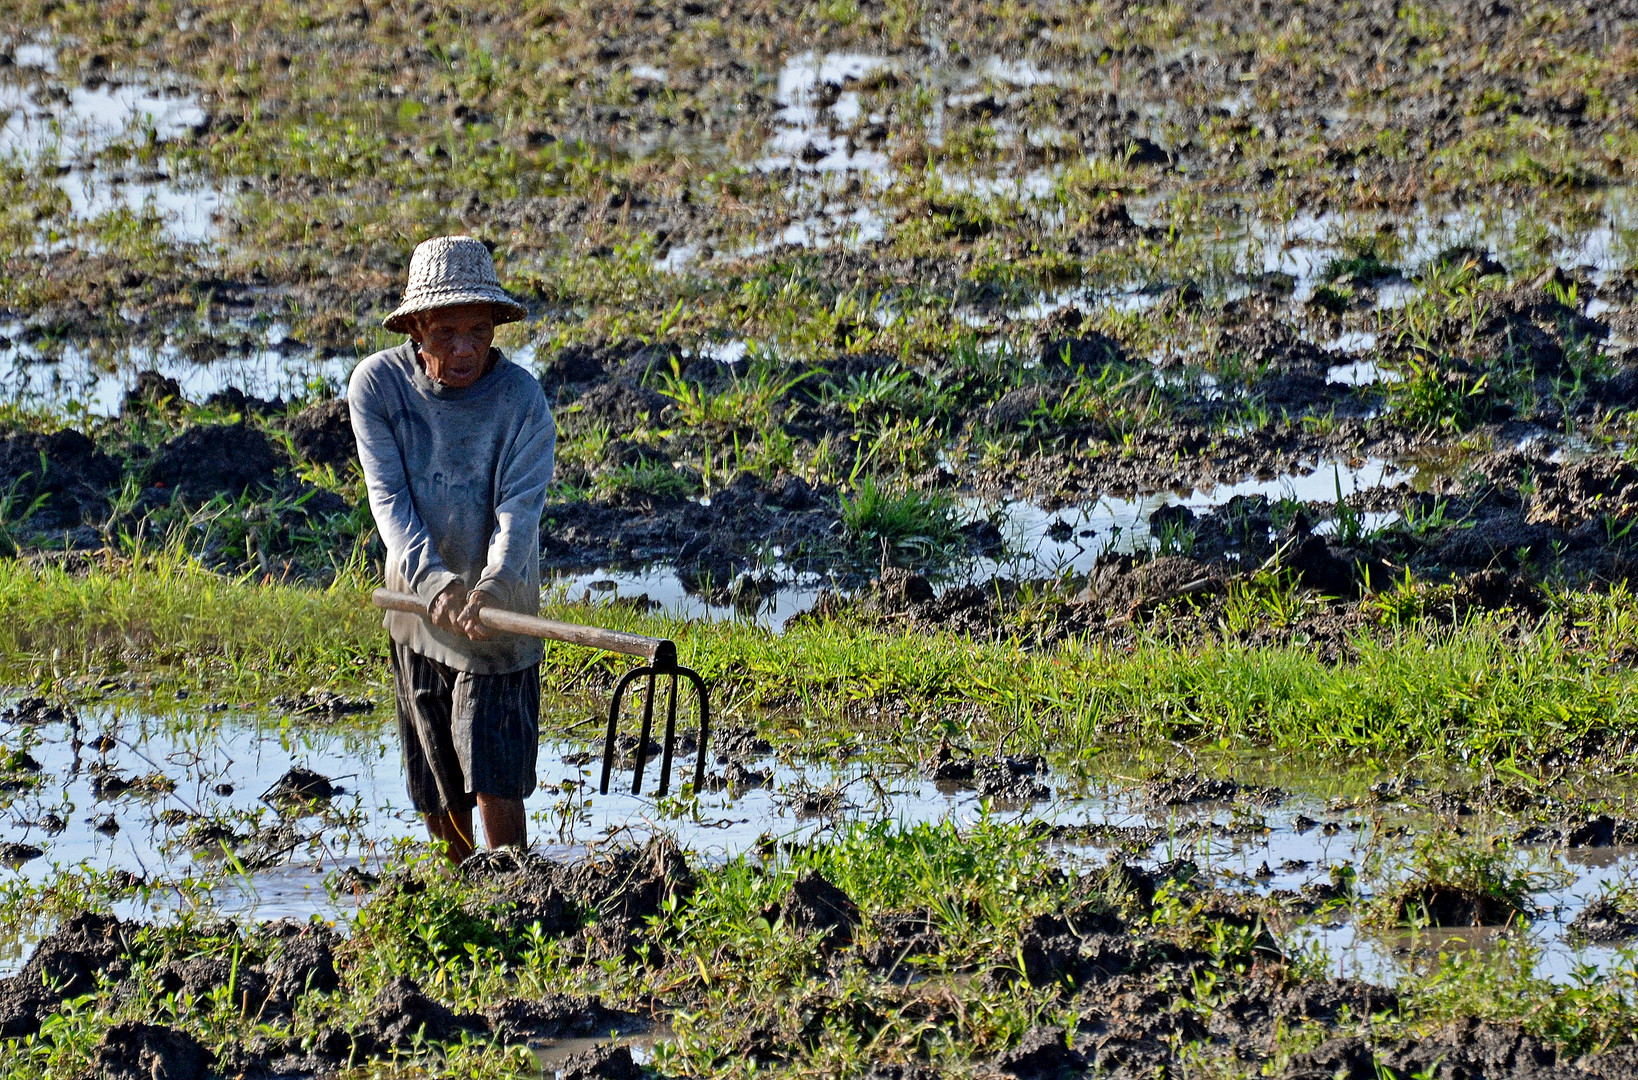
(457, 480)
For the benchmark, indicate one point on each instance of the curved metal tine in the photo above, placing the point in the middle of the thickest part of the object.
(670, 734)
(705, 725)
(642, 740)
(614, 719)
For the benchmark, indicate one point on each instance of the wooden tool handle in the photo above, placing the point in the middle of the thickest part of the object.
(511, 622)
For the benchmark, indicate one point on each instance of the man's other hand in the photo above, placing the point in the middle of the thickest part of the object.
(447, 607)
(468, 618)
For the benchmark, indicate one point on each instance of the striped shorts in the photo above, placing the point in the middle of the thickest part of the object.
(465, 734)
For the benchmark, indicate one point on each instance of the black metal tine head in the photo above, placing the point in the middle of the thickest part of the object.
(673, 675)
(614, 722)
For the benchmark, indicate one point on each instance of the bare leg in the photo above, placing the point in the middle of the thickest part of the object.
(454, 828)
(504, 824)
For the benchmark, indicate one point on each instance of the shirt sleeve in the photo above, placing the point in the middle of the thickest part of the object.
(520, 499)
(387, 481)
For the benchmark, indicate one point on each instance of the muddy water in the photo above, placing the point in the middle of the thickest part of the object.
(1038, 543)
(77, 381)
(72, 134)
(205, 768)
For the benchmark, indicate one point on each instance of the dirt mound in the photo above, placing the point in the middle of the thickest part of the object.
(323, 433)
(895, 936)
(1085, 352)
(1497, 540)
(618, 406)
(1011, 779)
(1124, 585)
(401, 1014)
(1042, 1054)
(1007, 779)
(519, 889)
(1015, 407)
(622, 887)
(214, 459)
(1477, 1048)
(299, 786)
(64, 467)
(1497, 590)
(586, 363)
(137, 1051)
(1053, 949)
(1602, 486)
(152, 392)
(1335, 1059)
(630, 885)
(301, 959)
(1526, 326)
(815, 906)
(233, 399)
(1454, 905)
(1603, 922)
(1188, 788)
(1320, 567)
(600, 1063)
(200, 977)
(1274, 347)
(740, 743)
(556, 1016)
(65, 964)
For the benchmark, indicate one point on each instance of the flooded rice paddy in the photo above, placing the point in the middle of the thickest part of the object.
(189, 807)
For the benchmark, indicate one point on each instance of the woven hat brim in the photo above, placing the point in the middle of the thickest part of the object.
(506, 309)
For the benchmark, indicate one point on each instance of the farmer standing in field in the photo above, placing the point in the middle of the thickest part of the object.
(456, 442)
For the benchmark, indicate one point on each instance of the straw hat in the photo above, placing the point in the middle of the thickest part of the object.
(450, 270)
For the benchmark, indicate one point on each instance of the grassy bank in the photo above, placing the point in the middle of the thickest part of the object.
(1486, 688)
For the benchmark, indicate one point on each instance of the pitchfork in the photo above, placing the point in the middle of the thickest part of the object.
(660, 653)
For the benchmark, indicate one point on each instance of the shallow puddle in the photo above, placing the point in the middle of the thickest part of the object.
(95, 385)
(1038, 542)
(197, 785)
(69, 134)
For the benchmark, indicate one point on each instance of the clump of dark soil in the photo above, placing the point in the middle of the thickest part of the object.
(556, 1016)
(323, 433)
(740, 743)
(895, 937)
(200, 977)
(214, 459)
(1123, 586)
(321, 703)
(15, 854)
(302, 785)
(601, 1063)
(302, 959)
(1000, 777)
(1011, 779)
(619, 888)
(516, 890)
(815, 906)
(401, 1014)
(1189, 788)
(1445, 904)
(66, 963)
(136, 1051)
(1042, 1054)
(1603, 921)
(63, 470)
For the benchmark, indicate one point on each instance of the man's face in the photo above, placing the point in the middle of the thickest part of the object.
(455, 342)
